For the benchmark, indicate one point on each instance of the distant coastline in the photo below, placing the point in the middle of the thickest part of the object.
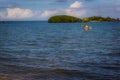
(71, 19)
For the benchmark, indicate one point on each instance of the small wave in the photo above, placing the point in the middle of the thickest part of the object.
(54, 74)
(31, 43)
(6, 59)
(111, 67)
(114, 54)
(14, 51)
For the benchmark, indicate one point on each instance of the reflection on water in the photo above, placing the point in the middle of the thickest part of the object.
(59, 51)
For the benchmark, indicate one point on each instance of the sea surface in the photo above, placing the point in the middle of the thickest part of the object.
(37, 50)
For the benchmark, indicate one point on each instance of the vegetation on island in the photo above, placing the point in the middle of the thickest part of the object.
(66, 18)
(99, 19)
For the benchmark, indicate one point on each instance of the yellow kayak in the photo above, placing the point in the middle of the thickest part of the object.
(86, 27)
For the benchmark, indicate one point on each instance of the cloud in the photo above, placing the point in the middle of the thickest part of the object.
(19, 13)
(76, 12)
(76, 9)
(49, 13)
(104, 10)
(68, 11)
(16, 13)
(76, 4)
(2, 14)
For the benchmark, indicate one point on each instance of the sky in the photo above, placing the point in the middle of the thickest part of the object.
(44, 9)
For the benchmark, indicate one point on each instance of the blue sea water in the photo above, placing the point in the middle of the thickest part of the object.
(37, 50)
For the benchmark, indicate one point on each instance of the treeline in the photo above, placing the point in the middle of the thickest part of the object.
(99, 19)
(66, 18)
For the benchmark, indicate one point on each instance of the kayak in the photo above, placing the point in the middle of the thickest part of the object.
(86, 27)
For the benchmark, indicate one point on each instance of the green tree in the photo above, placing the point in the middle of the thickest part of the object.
(64, 19)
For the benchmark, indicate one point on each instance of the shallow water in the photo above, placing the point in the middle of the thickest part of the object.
(59, 51)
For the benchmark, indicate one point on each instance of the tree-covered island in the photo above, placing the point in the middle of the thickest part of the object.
(67, 18)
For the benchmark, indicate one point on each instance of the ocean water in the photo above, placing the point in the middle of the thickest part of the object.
(38, 50)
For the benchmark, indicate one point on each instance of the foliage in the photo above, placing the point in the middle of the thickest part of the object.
(99, 18)
(66, 18)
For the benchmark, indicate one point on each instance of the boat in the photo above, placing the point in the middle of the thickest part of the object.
(86, 27)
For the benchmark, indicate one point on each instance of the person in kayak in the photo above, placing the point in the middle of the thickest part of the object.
(86, 27)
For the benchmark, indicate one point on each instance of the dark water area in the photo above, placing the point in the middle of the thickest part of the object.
(59, 51)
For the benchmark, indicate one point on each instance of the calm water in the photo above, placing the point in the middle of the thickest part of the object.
(59, 51)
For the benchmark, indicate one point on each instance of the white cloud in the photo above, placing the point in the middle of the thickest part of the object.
(76, 4)
(2, 14)
(19, 13)
(49, 13)
(76, 9)
(76, 12)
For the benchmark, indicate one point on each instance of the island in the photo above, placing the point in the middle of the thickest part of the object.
(69, 19)
(63, 18)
